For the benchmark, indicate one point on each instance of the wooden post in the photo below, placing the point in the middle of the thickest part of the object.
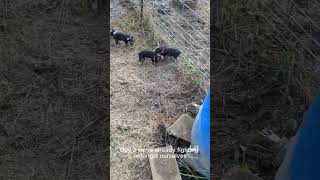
(141, 11)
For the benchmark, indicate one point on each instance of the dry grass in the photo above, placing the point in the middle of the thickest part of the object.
(188, 70)
(142, 29)
(266, 83)
(52, 116)
(145, 99)
(145, 30)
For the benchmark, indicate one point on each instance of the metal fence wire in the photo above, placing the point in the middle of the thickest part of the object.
(293, 20)
(186, 29)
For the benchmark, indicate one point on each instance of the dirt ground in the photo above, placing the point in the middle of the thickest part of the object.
(53, 95)
(144, 98)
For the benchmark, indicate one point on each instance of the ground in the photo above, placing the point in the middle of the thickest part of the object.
(52, 100)
(262, 79)
(144, 98)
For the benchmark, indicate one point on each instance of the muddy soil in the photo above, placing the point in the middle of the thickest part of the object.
(53, 95)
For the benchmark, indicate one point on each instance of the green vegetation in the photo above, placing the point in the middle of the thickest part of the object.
(192, 72)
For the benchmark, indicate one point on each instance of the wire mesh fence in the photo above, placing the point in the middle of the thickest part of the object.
(292, 26)
(186, 29)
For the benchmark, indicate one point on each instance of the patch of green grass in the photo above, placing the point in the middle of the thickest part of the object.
(187, 173)
(192, 72)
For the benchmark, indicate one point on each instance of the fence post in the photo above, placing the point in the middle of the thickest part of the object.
(141, 10)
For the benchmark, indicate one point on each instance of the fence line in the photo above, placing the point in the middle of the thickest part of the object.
(311, 20)
(308, 34)
(180, 15)
(195, 56)
(192, 26)
(285, 19)
(154, 15)
(174, 37)
(194, 48)
(289, 29)
(178, 30)
(180, 44)
(171, 39)
(266, 18)
(199, 32)
(193, 11)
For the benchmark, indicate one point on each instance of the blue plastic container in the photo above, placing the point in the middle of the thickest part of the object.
(303, 157)
(200, 137)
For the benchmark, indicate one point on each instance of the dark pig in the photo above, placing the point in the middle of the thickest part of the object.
(119, 36)
(149, 54)
(164, 51)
